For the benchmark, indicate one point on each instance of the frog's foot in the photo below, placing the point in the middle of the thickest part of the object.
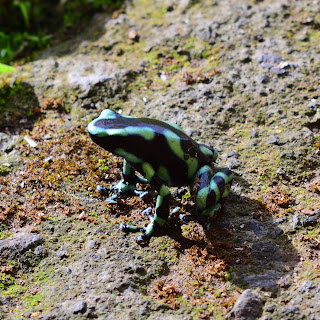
(113, 198)
(210, 212)
(123, 187)
(141, 240)
(120, 188)
(102, 190)
(185, 218)
(106, 191)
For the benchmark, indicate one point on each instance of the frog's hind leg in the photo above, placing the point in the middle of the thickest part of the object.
(161, 215)
(212, 190)
(162, 207)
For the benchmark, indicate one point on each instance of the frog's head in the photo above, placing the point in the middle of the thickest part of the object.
(108, 130)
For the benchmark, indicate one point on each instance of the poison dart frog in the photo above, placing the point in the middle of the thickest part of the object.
(165, 156)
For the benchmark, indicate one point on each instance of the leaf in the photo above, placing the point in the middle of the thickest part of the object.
(6, 69)
(25, 7)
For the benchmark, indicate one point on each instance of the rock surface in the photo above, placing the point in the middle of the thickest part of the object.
(249, 306)
(241, 76)
(18, 244)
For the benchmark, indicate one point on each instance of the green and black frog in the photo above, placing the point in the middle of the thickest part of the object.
(165, 156)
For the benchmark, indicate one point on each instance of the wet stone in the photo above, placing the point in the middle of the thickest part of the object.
(266, 251)
(7, 142)
(62, 253)
(122, 286)
(270, 308)
(267, 58)
(296, 221)
(278, 71)
(255, 226)
(287, 155)
(95, 257)
(254, 133)
(311, 220)
(92, 244)
(144, 308)
(313, 105)
(306, 286)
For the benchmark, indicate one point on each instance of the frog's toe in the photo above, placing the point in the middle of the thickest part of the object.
(185, 218)
(147, 212)
(123, 187)
(102, 190)
(124, 227)
(129, 228)
(112, 199)
(173, 212)
(140, 194)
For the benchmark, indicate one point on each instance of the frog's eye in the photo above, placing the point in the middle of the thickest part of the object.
(109, 114)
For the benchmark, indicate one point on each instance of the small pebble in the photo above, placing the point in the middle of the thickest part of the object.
(273, 140)
(79, 307)
(313, 104)
(39, 250)
(30, 142)
(263, 79)
(248, 306)
(233, 154)
(133, 35)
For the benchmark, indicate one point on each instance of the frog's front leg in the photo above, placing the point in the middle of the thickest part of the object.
(162, 207)
(160, 217)
(211, 191)
(130, 179)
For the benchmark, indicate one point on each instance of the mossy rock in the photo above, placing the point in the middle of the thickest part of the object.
(17, 101)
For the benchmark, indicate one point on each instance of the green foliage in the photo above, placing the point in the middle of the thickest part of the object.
(25, 9)
(22, 27)
(5, 68)
(26, 25)
(5, 280)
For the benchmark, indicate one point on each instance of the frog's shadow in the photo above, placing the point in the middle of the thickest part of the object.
(247, 239)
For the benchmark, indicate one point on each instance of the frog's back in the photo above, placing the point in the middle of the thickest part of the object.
(172, 153)
(144, 142)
